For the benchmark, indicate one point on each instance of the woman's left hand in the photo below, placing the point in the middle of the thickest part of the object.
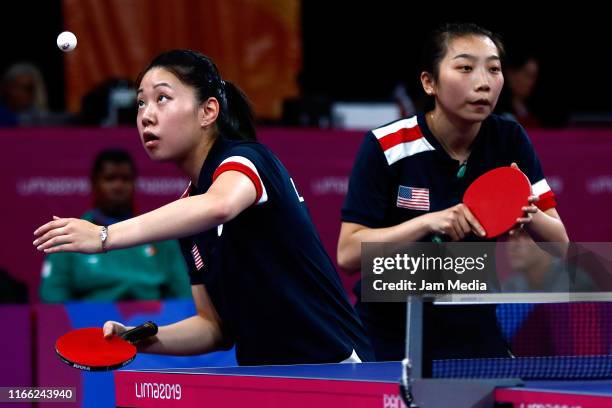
(68, 235)
(528, 210)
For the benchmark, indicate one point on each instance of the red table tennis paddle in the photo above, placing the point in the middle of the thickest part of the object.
(87, 349)
(497, 198)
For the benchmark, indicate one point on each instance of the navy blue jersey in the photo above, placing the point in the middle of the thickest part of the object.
(404, 154)
(402, 172)
(273, 285)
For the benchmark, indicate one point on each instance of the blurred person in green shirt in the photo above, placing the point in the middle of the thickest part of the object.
(145, 272)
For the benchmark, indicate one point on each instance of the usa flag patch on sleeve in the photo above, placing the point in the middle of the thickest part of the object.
(197, 258)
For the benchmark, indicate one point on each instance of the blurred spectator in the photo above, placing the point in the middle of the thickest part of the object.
(12, 290)
(23, 99)
(535, 270)
(111, 103)
(23, 93)
(521, 75)
(146, 272)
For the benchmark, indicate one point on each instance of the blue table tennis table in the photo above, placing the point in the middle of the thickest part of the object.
(351, 384)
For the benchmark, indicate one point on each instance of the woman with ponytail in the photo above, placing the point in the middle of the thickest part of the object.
(260, 277)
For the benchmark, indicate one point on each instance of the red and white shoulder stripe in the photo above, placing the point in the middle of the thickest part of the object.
(402, 139)
(246, 167)
(547, 197)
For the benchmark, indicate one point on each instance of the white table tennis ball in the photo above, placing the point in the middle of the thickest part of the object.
(66, 41)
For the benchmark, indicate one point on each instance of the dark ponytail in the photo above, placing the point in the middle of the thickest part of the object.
(235, 120)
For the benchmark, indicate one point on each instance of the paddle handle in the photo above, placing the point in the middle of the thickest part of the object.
(141, 332)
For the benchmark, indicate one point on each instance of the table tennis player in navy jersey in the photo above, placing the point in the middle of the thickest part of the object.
(261, 279)
(409, 178)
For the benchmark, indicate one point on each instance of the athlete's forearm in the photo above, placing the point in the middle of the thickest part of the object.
(546, 228)
(178, 219)
(349, 245)
(194, 335)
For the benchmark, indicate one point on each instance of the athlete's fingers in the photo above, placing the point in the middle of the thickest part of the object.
(475, 226)
(49, 235)
(61, 239)
(61, 248)
(56, 223)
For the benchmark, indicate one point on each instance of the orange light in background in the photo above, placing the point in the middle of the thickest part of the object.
(255, 44)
